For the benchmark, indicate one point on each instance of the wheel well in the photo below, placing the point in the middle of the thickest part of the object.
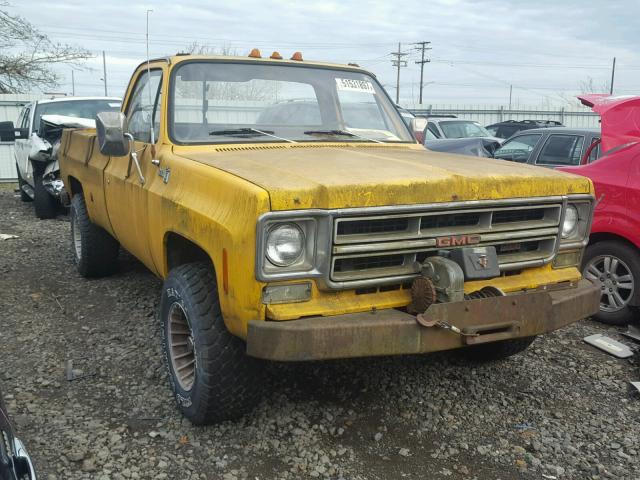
(75, 186)
(606, 236)
(180, 250)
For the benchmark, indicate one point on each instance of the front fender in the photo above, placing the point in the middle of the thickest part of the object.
(617, 225)
(52, 167)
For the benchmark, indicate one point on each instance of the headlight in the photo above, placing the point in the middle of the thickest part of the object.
(285, 244)
(570, 224)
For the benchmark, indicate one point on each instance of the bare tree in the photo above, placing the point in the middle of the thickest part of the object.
(588, 85)
(27, 55)
(591, 86)
(195, 48)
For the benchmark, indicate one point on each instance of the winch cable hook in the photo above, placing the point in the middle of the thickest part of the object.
(420, 318)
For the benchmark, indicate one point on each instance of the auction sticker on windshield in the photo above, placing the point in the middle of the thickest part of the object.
(352, 85)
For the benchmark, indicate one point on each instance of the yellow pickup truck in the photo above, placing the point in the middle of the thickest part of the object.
(293, 217)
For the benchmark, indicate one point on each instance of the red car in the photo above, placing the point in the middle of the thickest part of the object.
(612, 258)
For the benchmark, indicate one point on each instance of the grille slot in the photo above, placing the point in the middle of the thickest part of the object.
(510, 216)
(389, 246)
(451, 220)
(367, 263)
(363, 227)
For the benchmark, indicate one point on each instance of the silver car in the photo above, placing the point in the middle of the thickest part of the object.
(452, 127)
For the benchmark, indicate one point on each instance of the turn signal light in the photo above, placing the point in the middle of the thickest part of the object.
(297, 57)
(255, 53)
(276, 56)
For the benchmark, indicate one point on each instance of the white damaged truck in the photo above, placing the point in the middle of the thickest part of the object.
(36, 137)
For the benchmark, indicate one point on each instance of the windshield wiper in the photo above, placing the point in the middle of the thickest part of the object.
(343, 133)
(240, 131)
(249, 130)
(330, 132)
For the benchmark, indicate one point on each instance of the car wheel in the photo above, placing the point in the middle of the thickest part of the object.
(24, 196)
(45, 204)
(211, 376)
(615, 268)
(94, 251)
(487, 352)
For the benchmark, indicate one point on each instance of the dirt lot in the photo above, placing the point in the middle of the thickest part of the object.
(560, 410)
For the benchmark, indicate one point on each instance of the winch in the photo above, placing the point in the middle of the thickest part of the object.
(442, 280)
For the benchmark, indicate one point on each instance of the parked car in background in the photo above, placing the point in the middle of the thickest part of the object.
(510, 127)
(15, 463)
(447, 127)
(612, 258)
(416, 124)
(476, 147)
(550, 147)
(37, 137)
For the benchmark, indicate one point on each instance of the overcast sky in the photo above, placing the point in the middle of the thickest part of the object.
(545, 49)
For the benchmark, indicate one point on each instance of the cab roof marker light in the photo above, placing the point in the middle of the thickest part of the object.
(255, 53)
(297, 56)
(276, 56)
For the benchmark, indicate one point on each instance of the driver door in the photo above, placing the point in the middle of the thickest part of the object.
(126, 189)
(21, 145)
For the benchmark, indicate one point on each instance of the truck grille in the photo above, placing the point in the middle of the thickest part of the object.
(389, 245)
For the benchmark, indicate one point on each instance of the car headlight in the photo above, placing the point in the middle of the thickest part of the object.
(570, 224)
(285, 244)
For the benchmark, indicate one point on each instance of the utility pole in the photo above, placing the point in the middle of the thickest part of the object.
(423, 48)
(104, 72)
(510, 95)
(73, 84)
(398, 62)
(613, 75)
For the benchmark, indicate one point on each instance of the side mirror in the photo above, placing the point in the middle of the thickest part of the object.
(111, 128)
(7, 132)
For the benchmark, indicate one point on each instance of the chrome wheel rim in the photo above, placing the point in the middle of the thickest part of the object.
(182, 348)
(76, 237)
(615, 280)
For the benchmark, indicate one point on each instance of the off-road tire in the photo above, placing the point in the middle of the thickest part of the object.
(488, 352)
(631, 260)
(94, 251)
(45, 204)
(226, 383)
(24, 196)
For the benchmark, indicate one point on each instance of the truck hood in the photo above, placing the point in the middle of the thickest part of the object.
(619, 117)
(300, 176)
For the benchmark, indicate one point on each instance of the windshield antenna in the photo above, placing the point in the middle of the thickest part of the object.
(153, 140)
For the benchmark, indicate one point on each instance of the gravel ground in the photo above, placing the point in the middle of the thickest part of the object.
(560, 410)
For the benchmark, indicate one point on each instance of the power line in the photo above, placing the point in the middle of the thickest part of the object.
(532, 65)
(128, 37)
(398, 62)
(423, 48)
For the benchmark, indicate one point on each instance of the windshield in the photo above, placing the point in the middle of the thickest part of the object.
(518, 149)
(214, 102)
(76, 108)
(463, 129)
